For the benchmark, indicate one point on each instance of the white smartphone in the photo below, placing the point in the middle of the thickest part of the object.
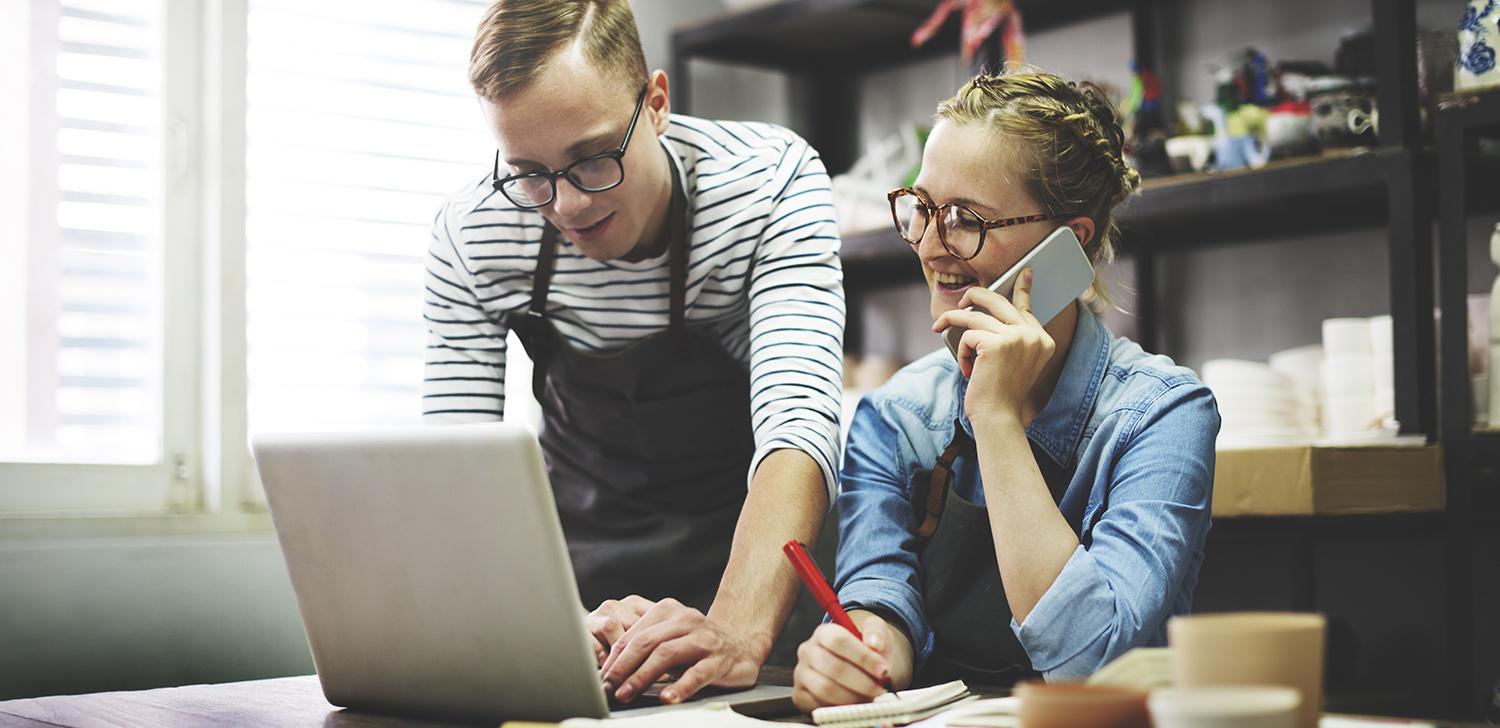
(1061, 272)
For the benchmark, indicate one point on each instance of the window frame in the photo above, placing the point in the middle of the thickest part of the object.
(205, 480)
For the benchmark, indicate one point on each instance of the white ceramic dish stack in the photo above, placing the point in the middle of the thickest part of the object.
(1304, 366)
(1260, 406)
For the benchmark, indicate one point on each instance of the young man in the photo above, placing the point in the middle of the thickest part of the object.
(676, 283)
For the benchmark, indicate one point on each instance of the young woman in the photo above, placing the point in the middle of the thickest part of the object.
(1039, 504)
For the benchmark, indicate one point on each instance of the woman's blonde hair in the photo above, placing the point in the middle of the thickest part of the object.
(1068, 145)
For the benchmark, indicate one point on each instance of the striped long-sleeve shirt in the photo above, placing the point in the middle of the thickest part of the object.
(763, 277)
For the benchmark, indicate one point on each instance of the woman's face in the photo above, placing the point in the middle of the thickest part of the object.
(973, 166)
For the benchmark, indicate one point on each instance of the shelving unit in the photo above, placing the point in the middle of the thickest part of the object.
(822, 44)
(1471, 458)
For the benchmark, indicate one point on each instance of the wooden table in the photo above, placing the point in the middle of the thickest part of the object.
(290, 702)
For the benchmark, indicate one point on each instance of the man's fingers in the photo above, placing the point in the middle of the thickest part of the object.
(614, 617)
(630, 655)
(667, 655)
(691, 682)
(606, 628)
(709, 671)
(637, 604)
(660, 612)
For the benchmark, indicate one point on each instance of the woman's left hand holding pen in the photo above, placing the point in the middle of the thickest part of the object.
(836, 668)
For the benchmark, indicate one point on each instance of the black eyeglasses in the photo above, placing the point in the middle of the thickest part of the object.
(960, 229)
(594, 173)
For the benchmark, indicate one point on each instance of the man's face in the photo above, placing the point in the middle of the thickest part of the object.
(573, 110)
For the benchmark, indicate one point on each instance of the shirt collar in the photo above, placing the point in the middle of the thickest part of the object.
(1059, 426)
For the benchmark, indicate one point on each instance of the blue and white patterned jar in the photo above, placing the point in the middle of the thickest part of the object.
(1478, 39)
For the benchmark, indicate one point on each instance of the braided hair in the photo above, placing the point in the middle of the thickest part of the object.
(1069, 145)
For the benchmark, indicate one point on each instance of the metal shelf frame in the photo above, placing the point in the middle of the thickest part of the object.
(1471, 459)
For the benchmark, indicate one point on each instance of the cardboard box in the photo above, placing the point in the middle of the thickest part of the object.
(1308, 480)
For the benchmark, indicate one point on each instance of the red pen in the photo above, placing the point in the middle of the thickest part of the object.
(819, 587)
(822, 592)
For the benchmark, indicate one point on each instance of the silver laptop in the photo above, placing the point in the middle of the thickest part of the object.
(433, 579)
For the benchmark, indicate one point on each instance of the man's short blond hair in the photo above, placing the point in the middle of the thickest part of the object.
(517, 37)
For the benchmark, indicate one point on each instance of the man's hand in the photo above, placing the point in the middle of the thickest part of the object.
(611, 620)
(672, 635)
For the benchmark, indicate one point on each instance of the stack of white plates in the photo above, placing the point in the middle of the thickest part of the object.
(1304, 366)
(1260, 406)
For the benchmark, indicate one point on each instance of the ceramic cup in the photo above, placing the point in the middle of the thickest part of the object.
(1330, 117)
(1234, 706)
(1363, 122)
(1290, 133)
(1252, 648)
(1074, 705)
(1189, 153)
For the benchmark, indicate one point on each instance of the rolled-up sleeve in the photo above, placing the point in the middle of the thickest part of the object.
(1117, 589)
(877, 557)
(797, 320)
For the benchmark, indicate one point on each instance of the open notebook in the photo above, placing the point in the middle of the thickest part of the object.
(907, 706)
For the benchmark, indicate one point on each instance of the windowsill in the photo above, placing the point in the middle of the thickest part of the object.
(66, 527)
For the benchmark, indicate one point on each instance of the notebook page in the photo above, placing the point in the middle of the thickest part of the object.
(906, 702)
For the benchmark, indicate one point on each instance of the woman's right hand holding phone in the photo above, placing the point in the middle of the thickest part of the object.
(836, 668)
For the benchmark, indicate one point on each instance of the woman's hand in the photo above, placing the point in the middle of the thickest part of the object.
(836, 668)
(1003, 352)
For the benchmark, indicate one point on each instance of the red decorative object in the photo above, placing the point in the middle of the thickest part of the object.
(981, 19)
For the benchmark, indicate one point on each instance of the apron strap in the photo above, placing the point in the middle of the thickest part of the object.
(678, 285)
(677, 217)
(541, 284)
(541, 280)
(937, 483)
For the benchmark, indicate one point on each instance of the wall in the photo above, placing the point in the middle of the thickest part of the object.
(120, 614)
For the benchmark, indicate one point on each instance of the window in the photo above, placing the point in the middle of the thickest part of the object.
(126, 223)
(81, 245)
(360, 119)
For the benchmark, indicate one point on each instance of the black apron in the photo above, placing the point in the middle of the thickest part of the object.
(962, 594)
(647, 448)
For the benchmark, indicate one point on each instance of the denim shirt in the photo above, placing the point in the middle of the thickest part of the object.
(1136, 431)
